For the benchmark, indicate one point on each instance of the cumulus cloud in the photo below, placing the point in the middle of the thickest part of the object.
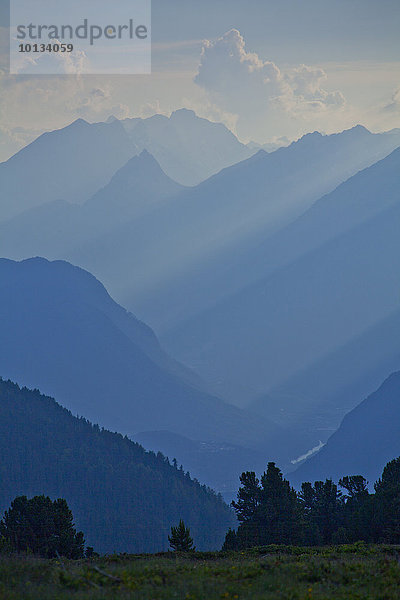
(54, 102)
(244, 83)
(306, 85)
(237, 78)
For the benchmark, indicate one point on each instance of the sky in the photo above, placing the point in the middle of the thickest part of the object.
(271, 70)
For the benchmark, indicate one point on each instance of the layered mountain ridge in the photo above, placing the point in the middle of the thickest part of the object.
(63, 334)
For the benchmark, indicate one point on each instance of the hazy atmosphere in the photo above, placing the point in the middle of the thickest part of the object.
(200, 300)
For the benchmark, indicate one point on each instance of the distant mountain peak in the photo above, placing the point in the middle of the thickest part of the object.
(360, 129)
(79, 123)
(145, 154)
(313, 135)
(142, 164)
(39, 263)
(260, 154)
(185, 113)
(316, 136)
(138, 183)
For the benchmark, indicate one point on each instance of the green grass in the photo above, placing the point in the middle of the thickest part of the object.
(272, 573)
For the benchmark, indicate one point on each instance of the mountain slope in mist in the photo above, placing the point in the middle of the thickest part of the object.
(74, 162)
(284, 323)
(368, 437)
(243, 261)
(56, 228)
(63, 334)
(69, 164)
(188, 252)
(189, 148)
(185, 239)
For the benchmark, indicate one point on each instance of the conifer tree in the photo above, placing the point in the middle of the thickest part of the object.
(386, 504)
(327, 509)
(180, 539)
(271, 512)
(279, 510)
(43, 527)
(231, 540)
(248, 497)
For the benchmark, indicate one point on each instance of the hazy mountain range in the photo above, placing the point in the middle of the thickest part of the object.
(63, 334)
(224, 222)
(59, 228)
(351, 203)
(188, 148)
(341, 278)
(169, 253)
(73, 163)
(271, 277)
(69, 164)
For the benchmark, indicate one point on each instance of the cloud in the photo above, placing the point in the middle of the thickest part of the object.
(306, 85)
(152, 108)
(12, 140)
(55, 101)
(244, 83)
(394, 104)
(97, 103)
(56, 63)
(238, 79)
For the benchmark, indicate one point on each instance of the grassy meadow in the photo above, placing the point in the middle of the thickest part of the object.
(352, 572)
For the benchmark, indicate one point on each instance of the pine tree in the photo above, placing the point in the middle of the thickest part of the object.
(43, 527)
(269, 513)
(311, 533)
(231, 541)
(355, 485)
(357, 509)
(327, 509)
(386, 504)
(248, 497)
(279, 511)
(180, 539)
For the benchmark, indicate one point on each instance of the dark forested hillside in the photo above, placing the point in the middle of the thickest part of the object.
(122, 497)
